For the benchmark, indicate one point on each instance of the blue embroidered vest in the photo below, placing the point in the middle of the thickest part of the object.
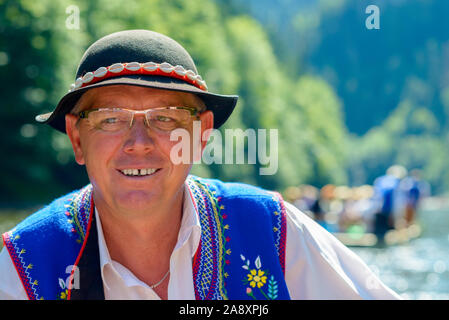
(241, 254)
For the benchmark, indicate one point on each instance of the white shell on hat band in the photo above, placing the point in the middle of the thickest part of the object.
(116, 68)
(78, 82)
(100, 72)
(202, 83)
(191, 75)
(179, 70)
(150, 66)
(133, 66)
(166, 68)
(88, 77)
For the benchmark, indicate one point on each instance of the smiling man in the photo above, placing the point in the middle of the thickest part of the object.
(117, 145)
(138, 190)
(146, 229)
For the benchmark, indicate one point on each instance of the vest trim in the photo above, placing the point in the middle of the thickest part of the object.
(19, 264)
(250, 216)
(87, 231)
(210, 257)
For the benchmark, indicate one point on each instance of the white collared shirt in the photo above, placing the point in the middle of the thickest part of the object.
(318, 266)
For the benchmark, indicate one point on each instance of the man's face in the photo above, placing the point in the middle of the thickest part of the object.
(108, 154)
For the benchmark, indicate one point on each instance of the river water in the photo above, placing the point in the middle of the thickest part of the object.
(416, 270)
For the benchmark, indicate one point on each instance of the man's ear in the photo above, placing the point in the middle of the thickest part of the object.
(74, 136)
(207, 124)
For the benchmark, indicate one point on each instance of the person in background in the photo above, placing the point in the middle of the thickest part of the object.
(413, 189)
(385, 191)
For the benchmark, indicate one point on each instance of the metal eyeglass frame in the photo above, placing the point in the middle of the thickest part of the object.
(85, 113)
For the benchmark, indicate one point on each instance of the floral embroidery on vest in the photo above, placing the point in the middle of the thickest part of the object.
(212, 261)
(257, 279)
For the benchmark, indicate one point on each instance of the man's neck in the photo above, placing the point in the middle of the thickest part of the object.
(143, 244)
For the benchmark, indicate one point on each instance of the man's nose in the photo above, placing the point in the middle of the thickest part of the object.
(140, 138)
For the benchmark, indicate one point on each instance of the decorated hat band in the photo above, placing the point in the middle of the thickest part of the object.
(147, 68)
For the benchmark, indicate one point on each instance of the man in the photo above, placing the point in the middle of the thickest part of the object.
(385, 194)
(412, 191)
(144, 228)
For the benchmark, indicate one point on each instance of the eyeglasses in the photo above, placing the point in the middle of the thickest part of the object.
(117, 119)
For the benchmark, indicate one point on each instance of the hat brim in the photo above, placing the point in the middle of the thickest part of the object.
(221, 105)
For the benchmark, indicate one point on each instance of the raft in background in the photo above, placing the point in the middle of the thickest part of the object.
(392, 237)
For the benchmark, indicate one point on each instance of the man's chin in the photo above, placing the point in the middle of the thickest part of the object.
(137, 199)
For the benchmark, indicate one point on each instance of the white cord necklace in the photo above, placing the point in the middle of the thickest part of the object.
(160, 281)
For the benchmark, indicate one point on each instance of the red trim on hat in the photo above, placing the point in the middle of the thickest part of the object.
(199, 84)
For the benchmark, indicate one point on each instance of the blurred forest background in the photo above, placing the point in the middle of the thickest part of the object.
(348, 101)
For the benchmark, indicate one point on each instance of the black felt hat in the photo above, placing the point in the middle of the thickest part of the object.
(141, 58)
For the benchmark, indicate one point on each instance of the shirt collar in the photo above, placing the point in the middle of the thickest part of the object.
(189, 233)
